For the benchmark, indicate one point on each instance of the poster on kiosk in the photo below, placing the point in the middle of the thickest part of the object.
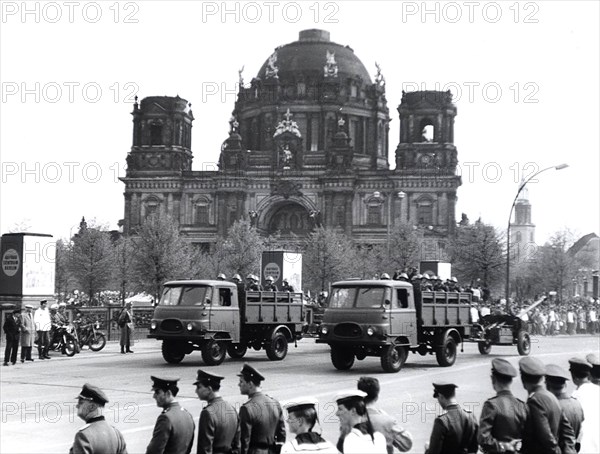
(282, 265)
(28, 264)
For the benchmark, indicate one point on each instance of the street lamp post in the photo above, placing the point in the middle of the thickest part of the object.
(521, 187)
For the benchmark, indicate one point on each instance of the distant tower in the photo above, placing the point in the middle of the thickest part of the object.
(522, 230)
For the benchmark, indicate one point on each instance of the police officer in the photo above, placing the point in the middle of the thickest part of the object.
(503, 416)
(174, 428)
(455, 431)
(547, 430)
(97, 436)
(270, 286)
(262, 427)
(556, 383)
(595, 362)
(218, 429)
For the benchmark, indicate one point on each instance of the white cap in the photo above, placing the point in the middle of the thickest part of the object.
(300, 403)
(350, 394)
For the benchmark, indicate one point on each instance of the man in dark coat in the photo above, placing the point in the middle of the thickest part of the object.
(218, 429)
(455, 431)
(503, 416)
(174, 429)
(556, 383)
(11, 330)
(97, 436)
(262, 427)
(547, 430)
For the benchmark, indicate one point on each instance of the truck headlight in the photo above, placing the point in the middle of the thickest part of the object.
(370, 331)
(153, 325)
(324, 330)
(189, 327)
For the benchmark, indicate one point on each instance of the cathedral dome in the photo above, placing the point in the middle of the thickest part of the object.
(308, 56)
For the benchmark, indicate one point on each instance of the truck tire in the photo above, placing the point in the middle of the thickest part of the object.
(341, 358)
(484, 347)
(277, 348)
(213, 352)
(237, 351)
(172, 353)
(393, 358)
(523, 343)
(446, 354)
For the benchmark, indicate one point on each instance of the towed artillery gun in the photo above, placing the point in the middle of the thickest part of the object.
(504, 329)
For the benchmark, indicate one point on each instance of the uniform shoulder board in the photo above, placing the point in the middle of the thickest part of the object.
(519, 400)
(467, 411)
(84, 427)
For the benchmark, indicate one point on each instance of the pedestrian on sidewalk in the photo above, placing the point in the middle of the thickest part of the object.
(11, 330)
(27, 333)
(126, 326)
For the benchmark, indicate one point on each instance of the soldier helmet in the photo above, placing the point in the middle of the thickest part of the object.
(221, 276)
(269, 279)
(250, 276)
(385, 276)
(403, 276)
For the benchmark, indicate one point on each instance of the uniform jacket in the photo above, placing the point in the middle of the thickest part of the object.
(218, 428)
(126, 319)
(574, 414)
(41, 319)
(27, 330)
(588, 396)
(359, 441)
(98, 437)
(393, 433)
(454, 432)
(173, 432)
(308, 442)
(502, 420)
(547, 430)
(261, 424)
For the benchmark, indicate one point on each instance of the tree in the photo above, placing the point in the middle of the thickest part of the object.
(242, 249)
(92, 260)
(124, 271)
(328, 256)
(404, 247)
(63, 275)
(159, 254)
(476, 253)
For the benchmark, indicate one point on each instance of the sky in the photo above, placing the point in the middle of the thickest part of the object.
(524, 75)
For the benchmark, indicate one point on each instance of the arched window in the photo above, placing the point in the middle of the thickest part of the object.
(156, 134)
(519, 237)
(425, 212)
(202, 211)
(374, 215)
(426, 131)
(151, 207)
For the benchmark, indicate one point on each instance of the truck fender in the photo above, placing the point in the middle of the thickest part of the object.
(401, 341)
(449, 332)
(217, 336)
(281, 329)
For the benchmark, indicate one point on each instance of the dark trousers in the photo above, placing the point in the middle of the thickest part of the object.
(12, 347)
(26, 353)
(43, 343)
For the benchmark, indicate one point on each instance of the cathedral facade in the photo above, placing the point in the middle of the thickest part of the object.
(308, 146)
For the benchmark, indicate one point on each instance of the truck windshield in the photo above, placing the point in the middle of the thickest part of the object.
(346, 297)
(185, 296)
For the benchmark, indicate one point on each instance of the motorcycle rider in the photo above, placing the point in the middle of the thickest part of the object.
(56, 322)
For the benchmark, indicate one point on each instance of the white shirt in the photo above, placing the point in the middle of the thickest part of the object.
(358, 443)
(593, 315)
(41, 319)
(474, 315)
(570, 317)
(588, 396)
(485, 311)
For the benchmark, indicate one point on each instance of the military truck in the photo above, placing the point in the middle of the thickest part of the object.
(385, 319)
(216, 317)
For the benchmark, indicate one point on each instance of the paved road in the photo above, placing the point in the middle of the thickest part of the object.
(38, 399)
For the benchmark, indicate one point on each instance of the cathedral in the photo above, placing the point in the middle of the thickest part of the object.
(308, 146)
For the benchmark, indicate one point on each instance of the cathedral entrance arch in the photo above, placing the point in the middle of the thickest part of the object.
(286, 218)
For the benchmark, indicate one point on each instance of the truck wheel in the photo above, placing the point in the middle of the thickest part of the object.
(484, 347)
(172, 353)
(446, 354)
(277, 348)
(237, 351)
(213, 352)
(392, 358)
(523, 343)
(341, 358)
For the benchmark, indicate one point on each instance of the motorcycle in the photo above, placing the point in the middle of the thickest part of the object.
(65, 340)
(90, 335)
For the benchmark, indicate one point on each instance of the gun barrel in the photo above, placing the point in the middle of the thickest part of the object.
(528, 309)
